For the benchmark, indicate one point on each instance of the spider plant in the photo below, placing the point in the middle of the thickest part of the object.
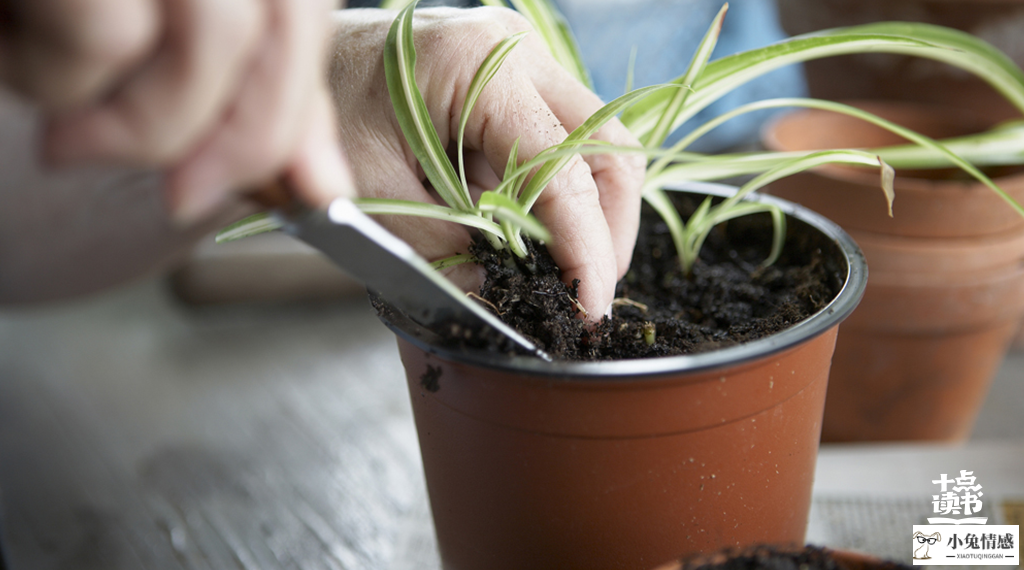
(513, 198)
(661, 113)
(511, 201)
(653, 113)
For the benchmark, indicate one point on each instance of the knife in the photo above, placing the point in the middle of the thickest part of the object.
(391, 270)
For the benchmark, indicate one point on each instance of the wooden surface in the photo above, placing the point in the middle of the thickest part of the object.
(137, 433)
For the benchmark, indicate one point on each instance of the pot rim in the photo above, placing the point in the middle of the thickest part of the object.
(828, 317)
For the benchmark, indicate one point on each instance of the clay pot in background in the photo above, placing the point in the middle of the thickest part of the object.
(886, 76)
(623, 464)
(946, 291)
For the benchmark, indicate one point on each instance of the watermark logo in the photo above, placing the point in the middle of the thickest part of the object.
(957, 495)
(947, 541)
(924, 541)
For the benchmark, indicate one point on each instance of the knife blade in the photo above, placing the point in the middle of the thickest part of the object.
(391, 269)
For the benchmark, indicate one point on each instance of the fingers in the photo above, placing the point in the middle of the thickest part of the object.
(581, 241)
(382, 164)
(516, 105)
(279, 98)
(170, 102)
(65, 53)
(233, 94)
(619, 177)
(593, 214)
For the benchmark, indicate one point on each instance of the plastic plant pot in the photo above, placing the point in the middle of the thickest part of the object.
(625, 464)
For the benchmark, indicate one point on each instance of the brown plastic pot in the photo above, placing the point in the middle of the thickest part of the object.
(623, 464)
(946, 293)
(889, 76)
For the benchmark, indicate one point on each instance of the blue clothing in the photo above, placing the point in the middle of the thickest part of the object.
(666, 34)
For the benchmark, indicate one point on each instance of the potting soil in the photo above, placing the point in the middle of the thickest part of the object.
(728, 298)
(772, 558)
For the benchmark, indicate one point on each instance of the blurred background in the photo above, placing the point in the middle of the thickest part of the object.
(248, 410)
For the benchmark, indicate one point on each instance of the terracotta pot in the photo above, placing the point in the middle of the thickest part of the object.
(946, 293)
(845, 559)
(623, 464)
(888, 76)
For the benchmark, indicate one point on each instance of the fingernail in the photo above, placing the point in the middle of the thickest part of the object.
(608, 311)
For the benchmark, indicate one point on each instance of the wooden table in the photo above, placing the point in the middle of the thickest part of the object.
(136, 433)
(139, 433)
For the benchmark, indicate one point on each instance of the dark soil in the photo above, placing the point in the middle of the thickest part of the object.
(728, 299)
(771, 558)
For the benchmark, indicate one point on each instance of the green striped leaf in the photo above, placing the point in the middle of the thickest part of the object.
(750, 163)
(790, 167)
(557, 36)
(725, 74)
(394, 4)
(412, 114)
(506, 209)
(389, 206)
(250, 226)
(663, 126)
(484, 74)
(580, 135)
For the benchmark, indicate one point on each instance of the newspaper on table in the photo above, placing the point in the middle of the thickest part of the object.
(922, 504)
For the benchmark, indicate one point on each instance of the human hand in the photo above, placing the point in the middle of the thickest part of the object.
(591, 208)
(221, 94)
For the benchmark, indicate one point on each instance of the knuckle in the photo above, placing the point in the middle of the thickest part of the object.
(579, 179)
(633, 166)
(112, 36)
(84, 52)
(486, 26)
(511, 20)
(480, 35)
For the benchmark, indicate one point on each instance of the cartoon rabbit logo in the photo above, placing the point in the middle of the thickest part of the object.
(922, 542)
